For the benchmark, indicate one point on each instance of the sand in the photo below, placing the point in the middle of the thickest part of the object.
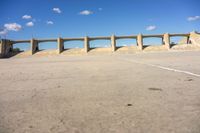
(114, 93)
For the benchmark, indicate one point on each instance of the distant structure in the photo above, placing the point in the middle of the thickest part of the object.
(6, 45)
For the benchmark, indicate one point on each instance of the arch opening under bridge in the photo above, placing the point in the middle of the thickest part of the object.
(175, 40)
(47, 45)
(21, 47)
(123, 42)
(178, 39)
(73, 44)
(100, 43)
(153, 41)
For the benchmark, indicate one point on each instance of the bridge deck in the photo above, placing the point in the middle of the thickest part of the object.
(100, 38)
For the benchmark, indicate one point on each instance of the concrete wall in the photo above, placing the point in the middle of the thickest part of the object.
(195, 38)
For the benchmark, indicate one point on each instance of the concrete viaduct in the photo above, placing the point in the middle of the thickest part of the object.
(6, 46)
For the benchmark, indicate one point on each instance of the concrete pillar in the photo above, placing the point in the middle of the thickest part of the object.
(60, 45)
(163, 43)
(6, 47)
(140, 41)
(10, 46)
(166, 39)
(1, 48)
(113, 43)
(188, 40)
(86, 44)
(34, 46)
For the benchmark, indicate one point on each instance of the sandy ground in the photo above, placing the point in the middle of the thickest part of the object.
(116, 93)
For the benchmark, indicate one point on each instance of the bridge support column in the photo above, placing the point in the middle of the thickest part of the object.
(113, 43)
(140, 41)
(34, 46)
(188, 40)
(166, 39)
(6, 47)
(1, 48)
(60, 45)
(86, 44)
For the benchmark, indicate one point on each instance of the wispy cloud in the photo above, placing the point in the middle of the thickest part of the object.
(3, 32)
(86, 12)
(151, 27)
(26, 17)
(12, 27)
(57, 10)
(50, 22)
(100, 9)
(30, 24)
(193, 18)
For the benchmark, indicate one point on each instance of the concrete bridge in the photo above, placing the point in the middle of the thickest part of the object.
(6, 46)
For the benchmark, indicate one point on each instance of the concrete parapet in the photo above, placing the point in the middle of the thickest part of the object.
(60, 45)
(178, 34)
(34, 46)
(126, 37)
(46, 40)
(156, 35)
(140, 41)
(100, 38)
(21, 41)
(113, 43)
(73, 39)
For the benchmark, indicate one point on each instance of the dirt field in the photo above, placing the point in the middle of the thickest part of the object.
(113, 93)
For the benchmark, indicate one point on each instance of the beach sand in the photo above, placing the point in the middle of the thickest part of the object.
(115, 93)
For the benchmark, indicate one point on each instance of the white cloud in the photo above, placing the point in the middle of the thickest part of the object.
(151, 27)
(86, 12)
(26, 17)
(13, 27)
(3, 32)
(57, 10)
(193, 18)
(30, 24)
(100, 9)
(49, 22)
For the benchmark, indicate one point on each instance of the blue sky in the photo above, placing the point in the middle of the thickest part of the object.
(24, 19)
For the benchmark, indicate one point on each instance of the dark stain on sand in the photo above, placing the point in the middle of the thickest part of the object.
(190, 80)
(155, 89)
(129, 104)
